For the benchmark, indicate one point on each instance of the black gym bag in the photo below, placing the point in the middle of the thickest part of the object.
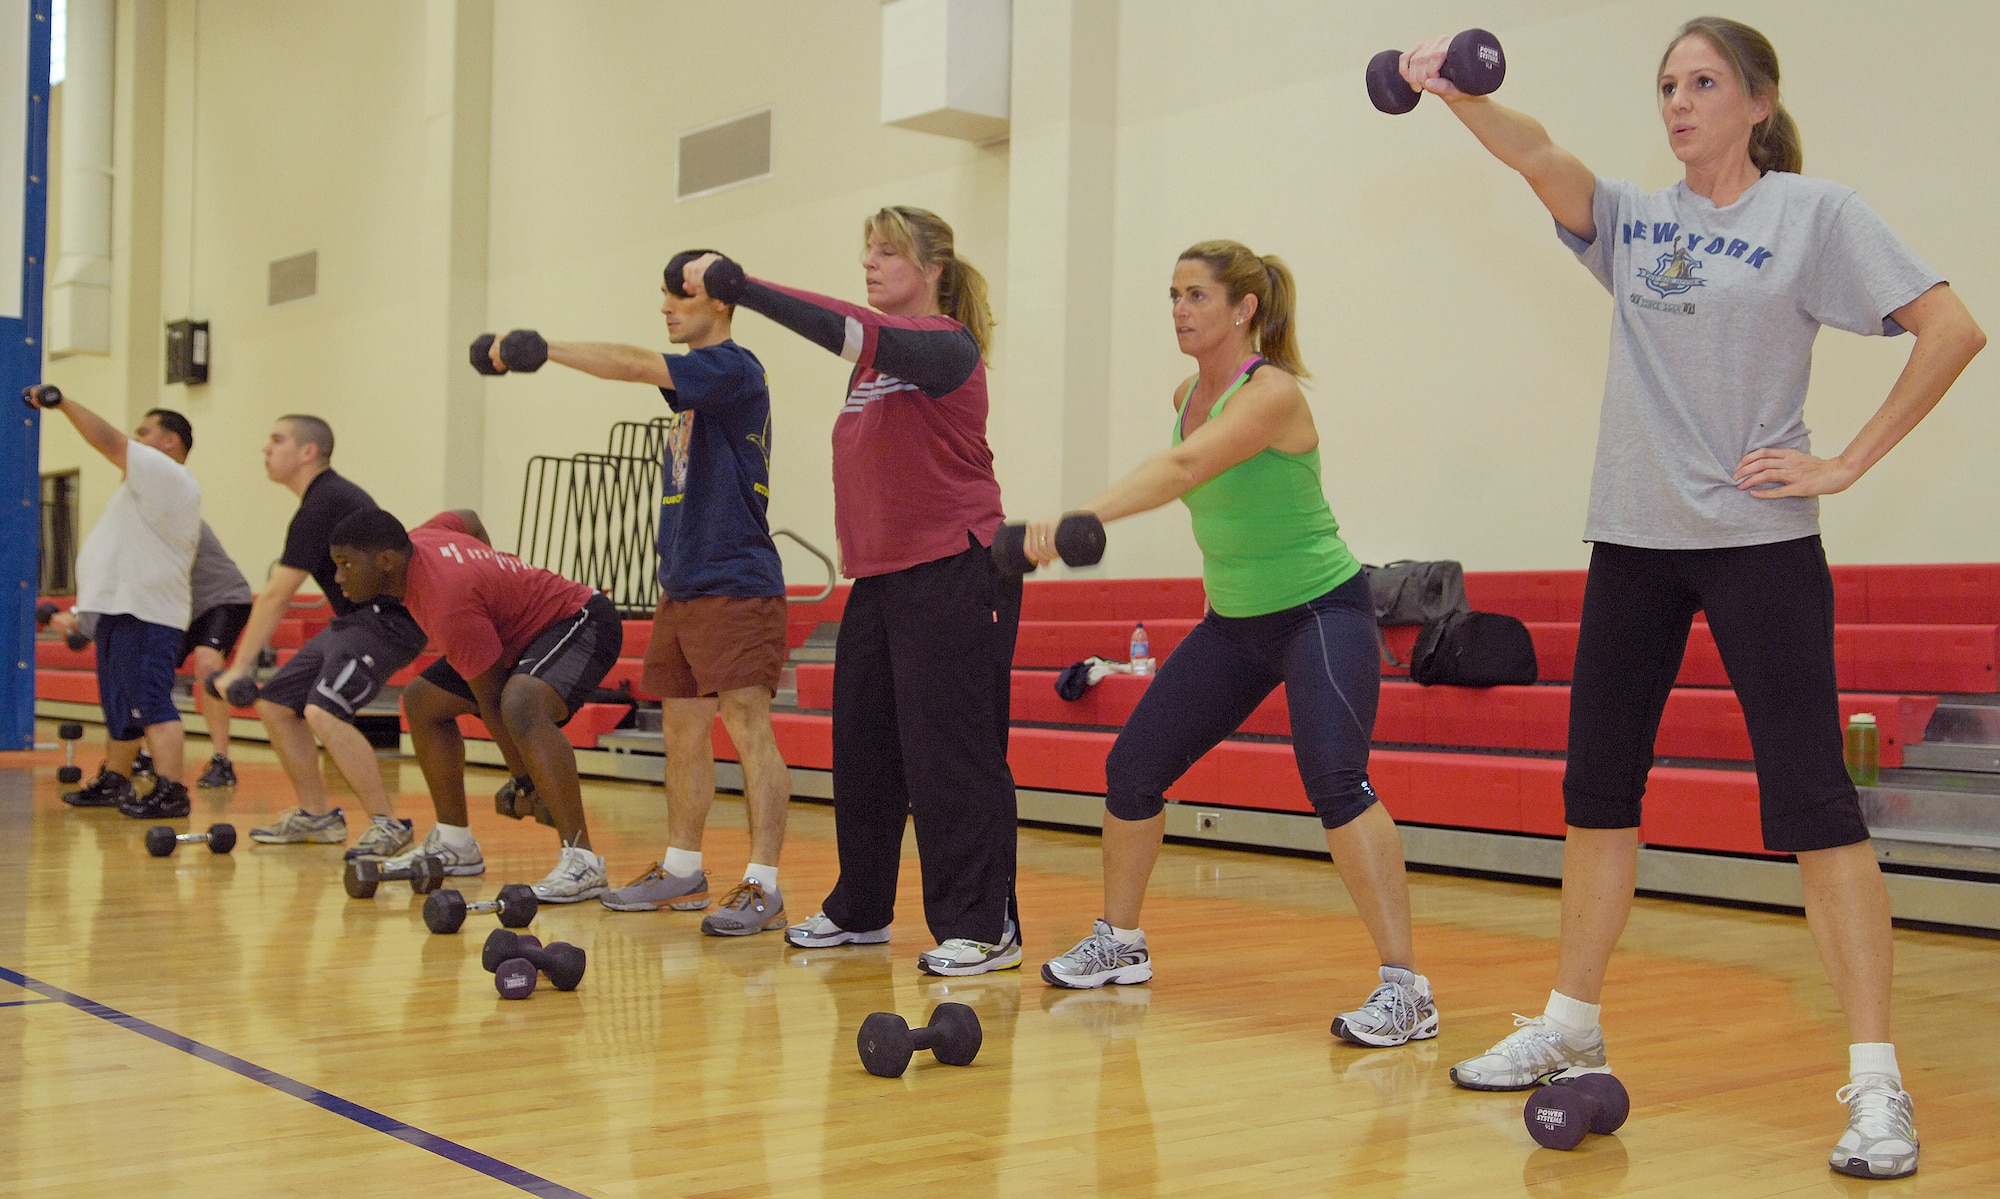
(1473, 649)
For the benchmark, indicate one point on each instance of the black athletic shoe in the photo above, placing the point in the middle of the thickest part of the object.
(107, 790)
(143, 764)
(220, 773)
(166, 801)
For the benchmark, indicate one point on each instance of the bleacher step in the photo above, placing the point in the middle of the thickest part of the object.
(1963, 734)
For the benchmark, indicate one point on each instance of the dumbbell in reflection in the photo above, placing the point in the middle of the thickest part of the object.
(887, 1042)
(1473, 63)
(516, 960)
(445, 911)
(361, 876)
(1560, 1114)
(242, 693)
(161, 840)
(69, 733)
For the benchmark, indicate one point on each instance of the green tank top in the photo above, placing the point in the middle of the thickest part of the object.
(1268, 540)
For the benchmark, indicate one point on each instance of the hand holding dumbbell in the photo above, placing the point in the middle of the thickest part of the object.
(1560, 1114)
(886, 1041)
(1078, 539)
(41, 395)
(161, 840)
(241, 692)
(515, 960)
(522, 350)
(445, 911)
(516, 799)
(1471, 64)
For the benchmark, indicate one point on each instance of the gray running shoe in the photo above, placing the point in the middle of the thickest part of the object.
(657, 889)
(957, 956)
(1395, 1013)
(1535, 1054)
(818, 932)
(1098, 959)
(458, 863)
(1881, 1136)
(300, 827)
(747, 909)
(579, 875)
(385, 837)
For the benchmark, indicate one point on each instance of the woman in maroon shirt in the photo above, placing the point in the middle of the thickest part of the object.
(920, 689)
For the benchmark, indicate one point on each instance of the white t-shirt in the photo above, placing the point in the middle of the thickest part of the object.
(137, 559)
(1711, 346)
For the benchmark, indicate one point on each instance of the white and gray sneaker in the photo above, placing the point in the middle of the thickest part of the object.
(1098, 959)
(300, 827)
(1535, 1054)
(385, 837)
(458, 862)
(818, 932)
(1395, 1013)
(1881, 1136)
(957, 956)
(579, 875)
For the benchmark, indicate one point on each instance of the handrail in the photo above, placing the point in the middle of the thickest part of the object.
(832, 571)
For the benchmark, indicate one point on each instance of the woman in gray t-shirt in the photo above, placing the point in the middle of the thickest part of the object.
(1703, 499)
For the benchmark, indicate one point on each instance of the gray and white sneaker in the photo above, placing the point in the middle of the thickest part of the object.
(300, 827)
(747, 909)
(1098, 959)
(385, 837)
(818, 932)
(957, 956)
(458, 862)
(1395, 1013)
(657, 889)
(1535, 1054)
(1881, 1136)
(579, 875)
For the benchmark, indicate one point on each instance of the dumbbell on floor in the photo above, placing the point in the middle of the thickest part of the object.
(887, 1041)
(1560, 1114)
(69, 733)
(515, 960)
(1079, 542)
(1473, 63)
(361, 876)
(162, 840)
(445, 911)
(242, 692)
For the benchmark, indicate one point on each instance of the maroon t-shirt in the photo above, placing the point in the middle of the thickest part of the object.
(479, 606)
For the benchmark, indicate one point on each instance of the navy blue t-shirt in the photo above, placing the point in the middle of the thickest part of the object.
(716, 478)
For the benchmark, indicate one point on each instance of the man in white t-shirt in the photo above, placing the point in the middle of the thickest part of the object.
(133, 574)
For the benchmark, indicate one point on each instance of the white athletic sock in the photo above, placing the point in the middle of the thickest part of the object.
(1873, 1057)
(455, 836)
(1127, 936)
(757, 872)
(681, 863)
(1573, 1016)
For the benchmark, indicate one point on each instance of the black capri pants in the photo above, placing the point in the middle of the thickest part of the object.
(1323, 651)
(1771, 610)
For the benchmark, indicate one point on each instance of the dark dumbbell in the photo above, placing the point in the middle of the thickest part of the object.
(562, 962)
(41, 395)
(162, 841)
(516, 799)
(1559, 1114)
(361, 876)
(445, 911)
(1079, 542)
(887, 1041)
(1473, 63)
(502, 944)
(524, 350)
(69, 733)
(44, 613)
(242, 693)
(482, 355)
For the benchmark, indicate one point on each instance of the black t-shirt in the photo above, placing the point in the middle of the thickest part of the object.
(328, 500)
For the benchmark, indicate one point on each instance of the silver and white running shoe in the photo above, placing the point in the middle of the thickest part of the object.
(300, 827)
(818, 932)
(458, 863)
(1098, 959)
(384, 837)
(579, 875)
(1395, 1013)
(957, 956)
(1881, 1136)
(1535, 1054)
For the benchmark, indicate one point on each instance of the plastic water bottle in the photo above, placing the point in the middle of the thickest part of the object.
(1142, 647)
(1864, 750)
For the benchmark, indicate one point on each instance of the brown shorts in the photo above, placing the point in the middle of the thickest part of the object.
(715, 643)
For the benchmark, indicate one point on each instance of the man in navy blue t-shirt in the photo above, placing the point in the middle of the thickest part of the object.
(718, 638)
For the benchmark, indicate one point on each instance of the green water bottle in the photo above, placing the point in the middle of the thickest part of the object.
(1864, 750)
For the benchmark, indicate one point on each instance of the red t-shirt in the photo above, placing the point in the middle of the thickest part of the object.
(481, 607)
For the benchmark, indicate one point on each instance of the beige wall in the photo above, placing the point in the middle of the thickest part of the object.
(1458, 351)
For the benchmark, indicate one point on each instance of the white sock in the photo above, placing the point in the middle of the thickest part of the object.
(682, 862)
(455, 836)
(1127, 936)
(1873, 1057)
(757, 872)
(1573, 1016)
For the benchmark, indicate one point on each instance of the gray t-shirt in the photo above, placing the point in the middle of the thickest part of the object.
(1711, 346)
(215, 579)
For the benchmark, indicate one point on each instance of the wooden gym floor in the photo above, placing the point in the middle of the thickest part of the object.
(218, 1026)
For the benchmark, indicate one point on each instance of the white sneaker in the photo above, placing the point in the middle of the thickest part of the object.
(1535, 1054)
(1881, 1136)
(384, 837)
(958, 956)
(1098, 959)
(818, 932)
(300, 827)
(1395, 1013)
(579, 875)
(458, 863)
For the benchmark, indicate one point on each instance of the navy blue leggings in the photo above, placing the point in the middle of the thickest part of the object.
(1323, 651)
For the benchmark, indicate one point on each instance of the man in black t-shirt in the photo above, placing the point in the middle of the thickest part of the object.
(337, 673)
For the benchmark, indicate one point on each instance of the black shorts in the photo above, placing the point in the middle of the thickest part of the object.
(572, 655)
(349, 662)
(217, 628)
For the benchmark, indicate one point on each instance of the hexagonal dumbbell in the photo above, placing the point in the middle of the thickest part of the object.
(161, 840)
(361, 876)
(445, 911)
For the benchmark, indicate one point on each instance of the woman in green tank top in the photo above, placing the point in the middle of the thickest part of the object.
(1287, 604)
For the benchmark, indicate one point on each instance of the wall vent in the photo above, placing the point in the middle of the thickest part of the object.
(294, 278)
(722, 155)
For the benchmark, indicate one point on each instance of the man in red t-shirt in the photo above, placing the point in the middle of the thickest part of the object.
(523, 648)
